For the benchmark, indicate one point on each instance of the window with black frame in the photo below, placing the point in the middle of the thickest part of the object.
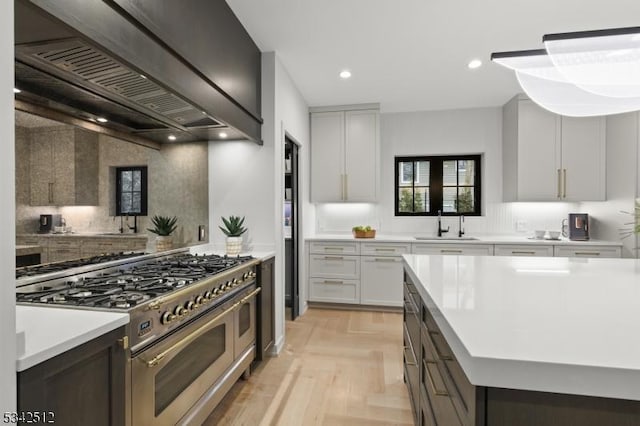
(425, 185)
(131, 191)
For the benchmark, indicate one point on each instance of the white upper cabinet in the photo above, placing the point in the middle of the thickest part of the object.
(547, 157)
(345, 155)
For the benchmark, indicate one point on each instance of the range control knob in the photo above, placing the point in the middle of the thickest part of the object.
(236, 282)
(190, 306)
(179, 311)
(245, 275)
(217, 291)
(208, 295)
(200, 301)
(167, 317)
(252, 274)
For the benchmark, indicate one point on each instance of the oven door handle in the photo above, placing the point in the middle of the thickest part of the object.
(194, 334)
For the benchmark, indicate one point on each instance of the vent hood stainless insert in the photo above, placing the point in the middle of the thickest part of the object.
(56, 68)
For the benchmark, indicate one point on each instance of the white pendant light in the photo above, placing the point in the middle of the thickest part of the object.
(581, 74)
(604, 62)
(547, 87)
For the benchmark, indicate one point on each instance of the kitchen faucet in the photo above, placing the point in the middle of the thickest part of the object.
(460, 229)
(440, 229)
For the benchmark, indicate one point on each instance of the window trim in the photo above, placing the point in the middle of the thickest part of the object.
(143, 190)
(435, 183)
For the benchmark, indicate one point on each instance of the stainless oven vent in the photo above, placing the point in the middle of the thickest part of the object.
(93, 69)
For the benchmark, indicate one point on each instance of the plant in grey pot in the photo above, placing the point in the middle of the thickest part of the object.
(163, 228)
(233, 229)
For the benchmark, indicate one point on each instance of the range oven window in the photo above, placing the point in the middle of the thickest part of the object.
(179, 373)
(244, 319)
(131, 191)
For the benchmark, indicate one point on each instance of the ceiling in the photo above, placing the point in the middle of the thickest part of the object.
(412, 55)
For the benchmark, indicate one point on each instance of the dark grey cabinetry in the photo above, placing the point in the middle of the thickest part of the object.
(83, 386)
(446, 397)
(266, 323)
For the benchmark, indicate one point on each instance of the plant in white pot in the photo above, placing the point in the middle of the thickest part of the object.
(163, 228)
(233, 229)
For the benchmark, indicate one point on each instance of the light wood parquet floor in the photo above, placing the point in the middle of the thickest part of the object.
(337, 368)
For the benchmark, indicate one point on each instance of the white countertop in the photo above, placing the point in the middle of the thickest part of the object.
(50, 331)
(479, 239)
(561, 325)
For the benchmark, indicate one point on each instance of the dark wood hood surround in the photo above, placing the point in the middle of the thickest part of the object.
(154, 68)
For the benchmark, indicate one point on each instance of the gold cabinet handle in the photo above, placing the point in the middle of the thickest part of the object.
(559, 185)
(436, 391)
(333, 258)
(385, 249)
(523, 252)
(435, 347)
(384, 259)
(564, 183)
(587, 253)
(334, 248)
(346, 187)
(194, 334)
(450, 251)
(333, 282)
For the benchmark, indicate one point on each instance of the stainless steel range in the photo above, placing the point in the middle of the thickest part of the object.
(192, 326)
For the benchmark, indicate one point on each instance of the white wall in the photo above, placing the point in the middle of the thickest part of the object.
(246, 179)
(7, 215)
(479, 130)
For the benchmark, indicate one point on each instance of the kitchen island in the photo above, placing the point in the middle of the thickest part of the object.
(514, 340)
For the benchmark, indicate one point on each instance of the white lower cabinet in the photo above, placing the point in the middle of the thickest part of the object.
(381, 281)
(587, 251)
(523, 250)
(330, 266)
(454, 249)
(334, 290)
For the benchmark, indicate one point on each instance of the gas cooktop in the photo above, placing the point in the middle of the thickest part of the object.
(129, 285)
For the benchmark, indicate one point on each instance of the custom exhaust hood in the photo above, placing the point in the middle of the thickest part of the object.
(76, 71)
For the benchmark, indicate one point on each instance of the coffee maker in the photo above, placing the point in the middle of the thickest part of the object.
(48, 221)
(576, 227)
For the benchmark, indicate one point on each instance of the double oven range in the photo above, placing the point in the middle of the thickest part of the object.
(191, 332)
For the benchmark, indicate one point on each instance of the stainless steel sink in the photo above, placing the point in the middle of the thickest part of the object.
(445, 238)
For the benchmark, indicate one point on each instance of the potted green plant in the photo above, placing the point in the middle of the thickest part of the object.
(163, 228)
(233, 229)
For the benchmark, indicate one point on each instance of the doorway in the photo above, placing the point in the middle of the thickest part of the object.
(291, 237)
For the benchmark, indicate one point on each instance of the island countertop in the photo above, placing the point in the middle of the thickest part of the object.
(561, 325)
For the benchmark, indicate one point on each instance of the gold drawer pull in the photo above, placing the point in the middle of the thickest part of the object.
(414, 363)
(436, 391)
(385, 249)
(450, 251)
(384, 259)
(333, 282)
(333, 258)
(587, 253)
(334, 248)
(438, 353)
(522, 252)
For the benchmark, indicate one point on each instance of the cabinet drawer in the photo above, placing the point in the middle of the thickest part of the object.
(334, 290)
(29, 241)
(333, 247)
(385, 249)
(454, 249)
(328, 266)
(462, 393)
(524, 250)
(381, 280)
(587, 251)
(60, 254)
(433, 384)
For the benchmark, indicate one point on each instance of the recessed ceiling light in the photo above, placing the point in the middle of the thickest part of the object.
(16, 90)
(222, 135)
(171, 138)
(475, 63)
(102, 119)
(345, 74)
